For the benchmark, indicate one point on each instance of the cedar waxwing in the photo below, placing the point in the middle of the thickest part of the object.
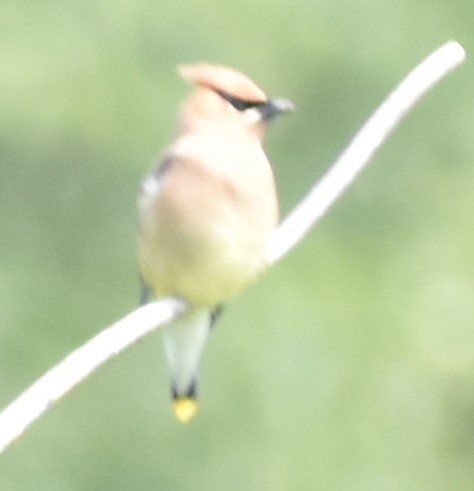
(207, 211)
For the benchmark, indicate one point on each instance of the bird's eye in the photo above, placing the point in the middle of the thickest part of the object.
(239, 104)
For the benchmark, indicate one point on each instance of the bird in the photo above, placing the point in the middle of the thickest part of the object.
(206, 213)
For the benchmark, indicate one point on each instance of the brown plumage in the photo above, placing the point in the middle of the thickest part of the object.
(207, 212)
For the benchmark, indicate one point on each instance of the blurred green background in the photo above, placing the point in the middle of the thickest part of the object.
(350, 365)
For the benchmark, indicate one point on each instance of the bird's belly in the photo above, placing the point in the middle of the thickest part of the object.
(203, 268)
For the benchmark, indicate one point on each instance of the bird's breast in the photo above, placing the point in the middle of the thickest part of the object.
(203, 234)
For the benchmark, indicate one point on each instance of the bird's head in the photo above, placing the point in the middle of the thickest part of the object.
(224, 96)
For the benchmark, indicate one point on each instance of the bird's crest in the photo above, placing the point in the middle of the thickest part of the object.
(223, 79)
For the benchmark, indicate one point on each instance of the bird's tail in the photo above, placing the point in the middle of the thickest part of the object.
(184, 342)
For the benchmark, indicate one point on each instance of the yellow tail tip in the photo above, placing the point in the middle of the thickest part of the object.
(185, 408)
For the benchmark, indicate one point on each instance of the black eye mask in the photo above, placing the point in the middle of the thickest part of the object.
(240, 104)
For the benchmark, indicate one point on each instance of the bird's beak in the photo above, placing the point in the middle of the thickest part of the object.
(273, 107)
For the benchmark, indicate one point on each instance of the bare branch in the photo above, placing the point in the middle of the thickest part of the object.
(357, 155)
(43, 394)
(82, 362)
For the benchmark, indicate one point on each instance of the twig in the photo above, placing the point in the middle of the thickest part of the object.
(369, 138)
(44, 393)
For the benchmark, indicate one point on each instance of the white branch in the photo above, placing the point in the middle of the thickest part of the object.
(357, 155)
(82, 362)
(40, 396)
